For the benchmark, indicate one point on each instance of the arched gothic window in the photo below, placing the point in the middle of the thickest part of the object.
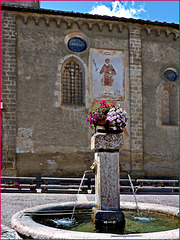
(165, 107)
(73, 82)
(169, 104)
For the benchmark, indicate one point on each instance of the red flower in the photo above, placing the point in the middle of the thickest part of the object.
(102, 102)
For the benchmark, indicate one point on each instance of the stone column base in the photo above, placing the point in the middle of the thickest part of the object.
(106, 221)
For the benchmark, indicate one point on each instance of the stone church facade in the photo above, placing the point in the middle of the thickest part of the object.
(51, 79)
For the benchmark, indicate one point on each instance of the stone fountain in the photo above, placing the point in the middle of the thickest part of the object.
(107, 213)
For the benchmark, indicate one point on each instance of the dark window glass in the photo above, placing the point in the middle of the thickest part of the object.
(72, 87)
(170, 75)
(77, 44)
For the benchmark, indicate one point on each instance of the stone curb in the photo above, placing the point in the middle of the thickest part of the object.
(23, 223)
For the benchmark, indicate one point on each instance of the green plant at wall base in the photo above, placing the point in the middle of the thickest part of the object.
(114, 115)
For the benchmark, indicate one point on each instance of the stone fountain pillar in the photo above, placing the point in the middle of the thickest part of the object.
(107, 213)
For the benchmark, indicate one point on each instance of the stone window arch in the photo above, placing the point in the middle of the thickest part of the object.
(73, 81)
(169, 104)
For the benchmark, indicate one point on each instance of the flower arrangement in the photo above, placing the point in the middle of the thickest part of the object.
(114, 115)
(99, 113)
(13, 183)
(118, 117)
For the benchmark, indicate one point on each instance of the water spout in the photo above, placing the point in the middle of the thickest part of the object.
(94, 167)
(134, 195)
(87, 171)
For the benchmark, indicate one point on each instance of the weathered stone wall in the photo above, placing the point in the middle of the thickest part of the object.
(49, 138)
(55, 137)
(8, 94)
(159, 51)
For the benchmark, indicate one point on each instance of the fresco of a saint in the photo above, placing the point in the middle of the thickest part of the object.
(107, 73)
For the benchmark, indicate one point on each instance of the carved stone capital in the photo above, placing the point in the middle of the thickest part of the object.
(104, 141)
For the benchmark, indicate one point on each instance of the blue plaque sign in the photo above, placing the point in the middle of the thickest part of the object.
(171, 74)
(77, 44)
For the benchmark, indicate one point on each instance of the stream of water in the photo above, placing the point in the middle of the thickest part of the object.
(132, 186)
(72, 217)
(67, 222)
(141, 219)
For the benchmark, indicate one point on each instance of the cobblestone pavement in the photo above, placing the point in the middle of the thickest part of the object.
(14, 202)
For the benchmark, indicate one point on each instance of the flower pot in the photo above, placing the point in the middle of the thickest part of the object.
(101, 122)
(110, 123)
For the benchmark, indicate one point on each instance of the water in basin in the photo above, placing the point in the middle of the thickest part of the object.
(148, 222)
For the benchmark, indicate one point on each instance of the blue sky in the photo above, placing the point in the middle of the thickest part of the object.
(162, 11)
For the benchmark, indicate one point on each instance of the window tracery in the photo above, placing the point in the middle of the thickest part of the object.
(72, 82)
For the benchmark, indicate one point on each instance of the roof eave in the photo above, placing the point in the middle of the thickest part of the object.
(86, 15)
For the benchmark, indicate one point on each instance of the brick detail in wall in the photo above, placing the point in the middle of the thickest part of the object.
(136, 107)
(8, 94)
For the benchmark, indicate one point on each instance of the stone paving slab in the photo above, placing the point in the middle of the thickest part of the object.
(8, 233)
(14, 202)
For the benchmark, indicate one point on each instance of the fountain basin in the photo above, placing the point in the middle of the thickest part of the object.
(24, 224)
